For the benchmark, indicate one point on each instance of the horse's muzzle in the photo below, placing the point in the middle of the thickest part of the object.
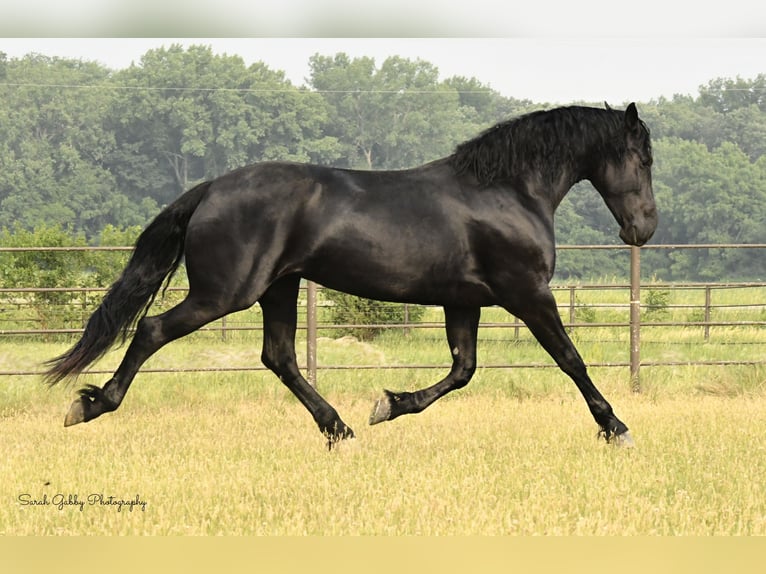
(637, 235)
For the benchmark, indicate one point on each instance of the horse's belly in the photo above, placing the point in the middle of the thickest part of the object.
(421, 284)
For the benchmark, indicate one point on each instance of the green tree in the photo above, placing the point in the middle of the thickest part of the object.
(709, 197)
(725, 111)
(395, 116)
(746, 127)
(682, 117)
(53, 146)
(483, 105)
(575, 225)
(186, 115)
(725, 95)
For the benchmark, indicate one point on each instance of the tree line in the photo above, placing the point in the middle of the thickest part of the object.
(83, 147)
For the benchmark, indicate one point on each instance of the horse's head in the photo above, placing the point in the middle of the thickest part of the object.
(625, 181)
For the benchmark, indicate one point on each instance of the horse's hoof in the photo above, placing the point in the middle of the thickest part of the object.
(343, 436)
(624, 440)
(76, 413)
(381, 411)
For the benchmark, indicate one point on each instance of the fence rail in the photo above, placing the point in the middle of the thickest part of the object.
(625, 314)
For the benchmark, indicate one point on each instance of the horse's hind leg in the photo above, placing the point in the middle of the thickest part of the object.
(462, 326)
(151, 334)
(279, 325)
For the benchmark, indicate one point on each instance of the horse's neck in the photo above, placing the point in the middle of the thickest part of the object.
(556, 188)
(579, 167)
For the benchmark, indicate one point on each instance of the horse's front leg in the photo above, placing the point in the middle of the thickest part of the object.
(540, 313)
(462, 327)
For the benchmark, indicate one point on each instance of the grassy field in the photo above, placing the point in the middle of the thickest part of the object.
(515, 452)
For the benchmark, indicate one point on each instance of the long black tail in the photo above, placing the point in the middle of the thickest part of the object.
(156, 256)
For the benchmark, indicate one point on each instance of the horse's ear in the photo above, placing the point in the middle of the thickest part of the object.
(632, 122)
(607, 106)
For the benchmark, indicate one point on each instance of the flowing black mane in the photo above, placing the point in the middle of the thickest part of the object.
(545, 141)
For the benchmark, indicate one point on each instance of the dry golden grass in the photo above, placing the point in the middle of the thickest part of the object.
(236, 454)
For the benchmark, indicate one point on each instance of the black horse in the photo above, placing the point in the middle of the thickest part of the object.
(470, 230)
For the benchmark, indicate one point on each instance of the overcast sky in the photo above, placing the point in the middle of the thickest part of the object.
(552, 70)
(553, 51)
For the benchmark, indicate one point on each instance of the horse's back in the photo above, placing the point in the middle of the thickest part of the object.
(416, 235)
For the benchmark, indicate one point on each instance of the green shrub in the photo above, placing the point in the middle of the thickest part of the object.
(358, 313)
(657, 302)
(584, 313)
(51, 269)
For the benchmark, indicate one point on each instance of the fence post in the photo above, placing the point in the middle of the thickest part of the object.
(311, 333)
(572, 314)
(635, 318)
(406, 319)
(707, 312)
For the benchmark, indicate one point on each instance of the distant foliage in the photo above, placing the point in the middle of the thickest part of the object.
(50, 270)
(43, 269)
